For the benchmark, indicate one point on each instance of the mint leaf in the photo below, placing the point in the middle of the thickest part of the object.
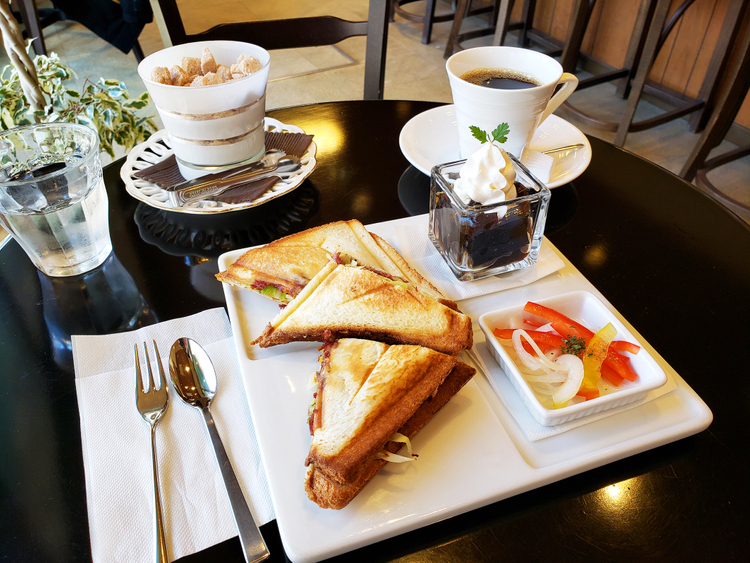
(500, 134)
(478, 134)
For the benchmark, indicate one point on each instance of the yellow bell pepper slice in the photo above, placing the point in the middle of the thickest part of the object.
(596, 352)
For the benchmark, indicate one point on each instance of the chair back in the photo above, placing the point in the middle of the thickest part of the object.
(292, 33)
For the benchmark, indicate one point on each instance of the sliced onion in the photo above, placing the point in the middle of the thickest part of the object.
(553, 353)
(575, 377)
(528, 360)
(516, 321)
(396, 458)
(555, 377)
(393, 458)
(398, 437)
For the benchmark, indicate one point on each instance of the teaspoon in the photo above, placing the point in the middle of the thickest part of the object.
(194, 379)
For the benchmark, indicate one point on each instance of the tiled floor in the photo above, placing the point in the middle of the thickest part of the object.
(413, 71)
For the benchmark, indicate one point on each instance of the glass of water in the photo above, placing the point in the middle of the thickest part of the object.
(52, 196)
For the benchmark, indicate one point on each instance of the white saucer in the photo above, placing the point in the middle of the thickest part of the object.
(431, 138)
(158, 147)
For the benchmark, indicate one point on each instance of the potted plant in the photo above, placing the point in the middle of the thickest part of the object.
(36, 91)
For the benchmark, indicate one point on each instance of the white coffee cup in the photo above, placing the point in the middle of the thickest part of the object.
(523, 109)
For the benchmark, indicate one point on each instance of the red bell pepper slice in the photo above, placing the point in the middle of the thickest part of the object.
(611, 375)
(625, 346)
(566, 324)
(549, 339)
(588, 393)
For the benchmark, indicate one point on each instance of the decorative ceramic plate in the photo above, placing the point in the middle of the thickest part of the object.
(157, 148)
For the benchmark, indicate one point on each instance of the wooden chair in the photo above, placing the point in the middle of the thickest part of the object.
(292, 34)
(698, 165)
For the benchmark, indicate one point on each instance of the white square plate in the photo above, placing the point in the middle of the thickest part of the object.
(587, 309)
(474, 440)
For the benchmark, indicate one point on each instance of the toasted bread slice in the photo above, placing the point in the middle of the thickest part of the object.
(289, 263)
(354, 302)
(366, 392)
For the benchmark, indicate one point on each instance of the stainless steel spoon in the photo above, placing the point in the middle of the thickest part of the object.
(194, 379)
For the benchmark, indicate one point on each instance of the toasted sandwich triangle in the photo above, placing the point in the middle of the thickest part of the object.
(366, 392)
(350, 302)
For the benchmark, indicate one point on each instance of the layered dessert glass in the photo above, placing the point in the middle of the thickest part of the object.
(478, 240)
(211, 127)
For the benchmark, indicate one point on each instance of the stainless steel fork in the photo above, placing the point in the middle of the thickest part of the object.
(152, 403)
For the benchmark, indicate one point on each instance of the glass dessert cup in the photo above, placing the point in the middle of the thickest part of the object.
(477, 241)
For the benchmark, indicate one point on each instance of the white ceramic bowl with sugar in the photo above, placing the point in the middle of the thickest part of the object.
(217, 126)
(591, 312)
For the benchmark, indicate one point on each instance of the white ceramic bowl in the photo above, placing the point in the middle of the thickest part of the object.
(212, 126)
(588, 310)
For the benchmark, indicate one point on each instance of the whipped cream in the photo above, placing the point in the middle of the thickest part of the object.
(487, 177)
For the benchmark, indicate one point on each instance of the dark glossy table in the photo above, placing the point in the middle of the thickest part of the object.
(673, 262)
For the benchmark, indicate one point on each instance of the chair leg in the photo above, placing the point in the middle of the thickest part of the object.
(644, 66)
(375, 51)
(728, 36)
(579, 21)
(429, 16)
(30, 17)
(724, 114)
(527, 21)
(138, 52)
(503, 20)
(462, 6)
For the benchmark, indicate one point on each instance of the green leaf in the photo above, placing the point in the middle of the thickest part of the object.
(478, 134)
(500, 134)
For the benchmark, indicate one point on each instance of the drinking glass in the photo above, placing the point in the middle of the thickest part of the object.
(216, 127)
(52, 196)
(477, 241)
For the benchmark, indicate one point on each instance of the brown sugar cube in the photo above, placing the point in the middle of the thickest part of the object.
(208, 63)
(197, 81)
(191, 65)
(179, 76)
(161, 75)
(246, 67)
(248, 64)
(212, 78)
(237, 76)
(224, 72)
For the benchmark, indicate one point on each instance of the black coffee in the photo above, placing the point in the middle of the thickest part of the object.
(500, 78)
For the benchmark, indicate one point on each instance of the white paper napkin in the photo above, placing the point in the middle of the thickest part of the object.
(117, 445)
(419, 251)
(480, 357)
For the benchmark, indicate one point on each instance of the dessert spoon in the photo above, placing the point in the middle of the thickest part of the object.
(194, 379)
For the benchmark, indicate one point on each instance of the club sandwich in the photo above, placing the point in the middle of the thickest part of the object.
(371, 397)
(280, 269)
(356, 302)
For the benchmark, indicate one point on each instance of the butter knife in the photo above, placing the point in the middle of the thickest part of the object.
(205, 188)
(269, 159)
